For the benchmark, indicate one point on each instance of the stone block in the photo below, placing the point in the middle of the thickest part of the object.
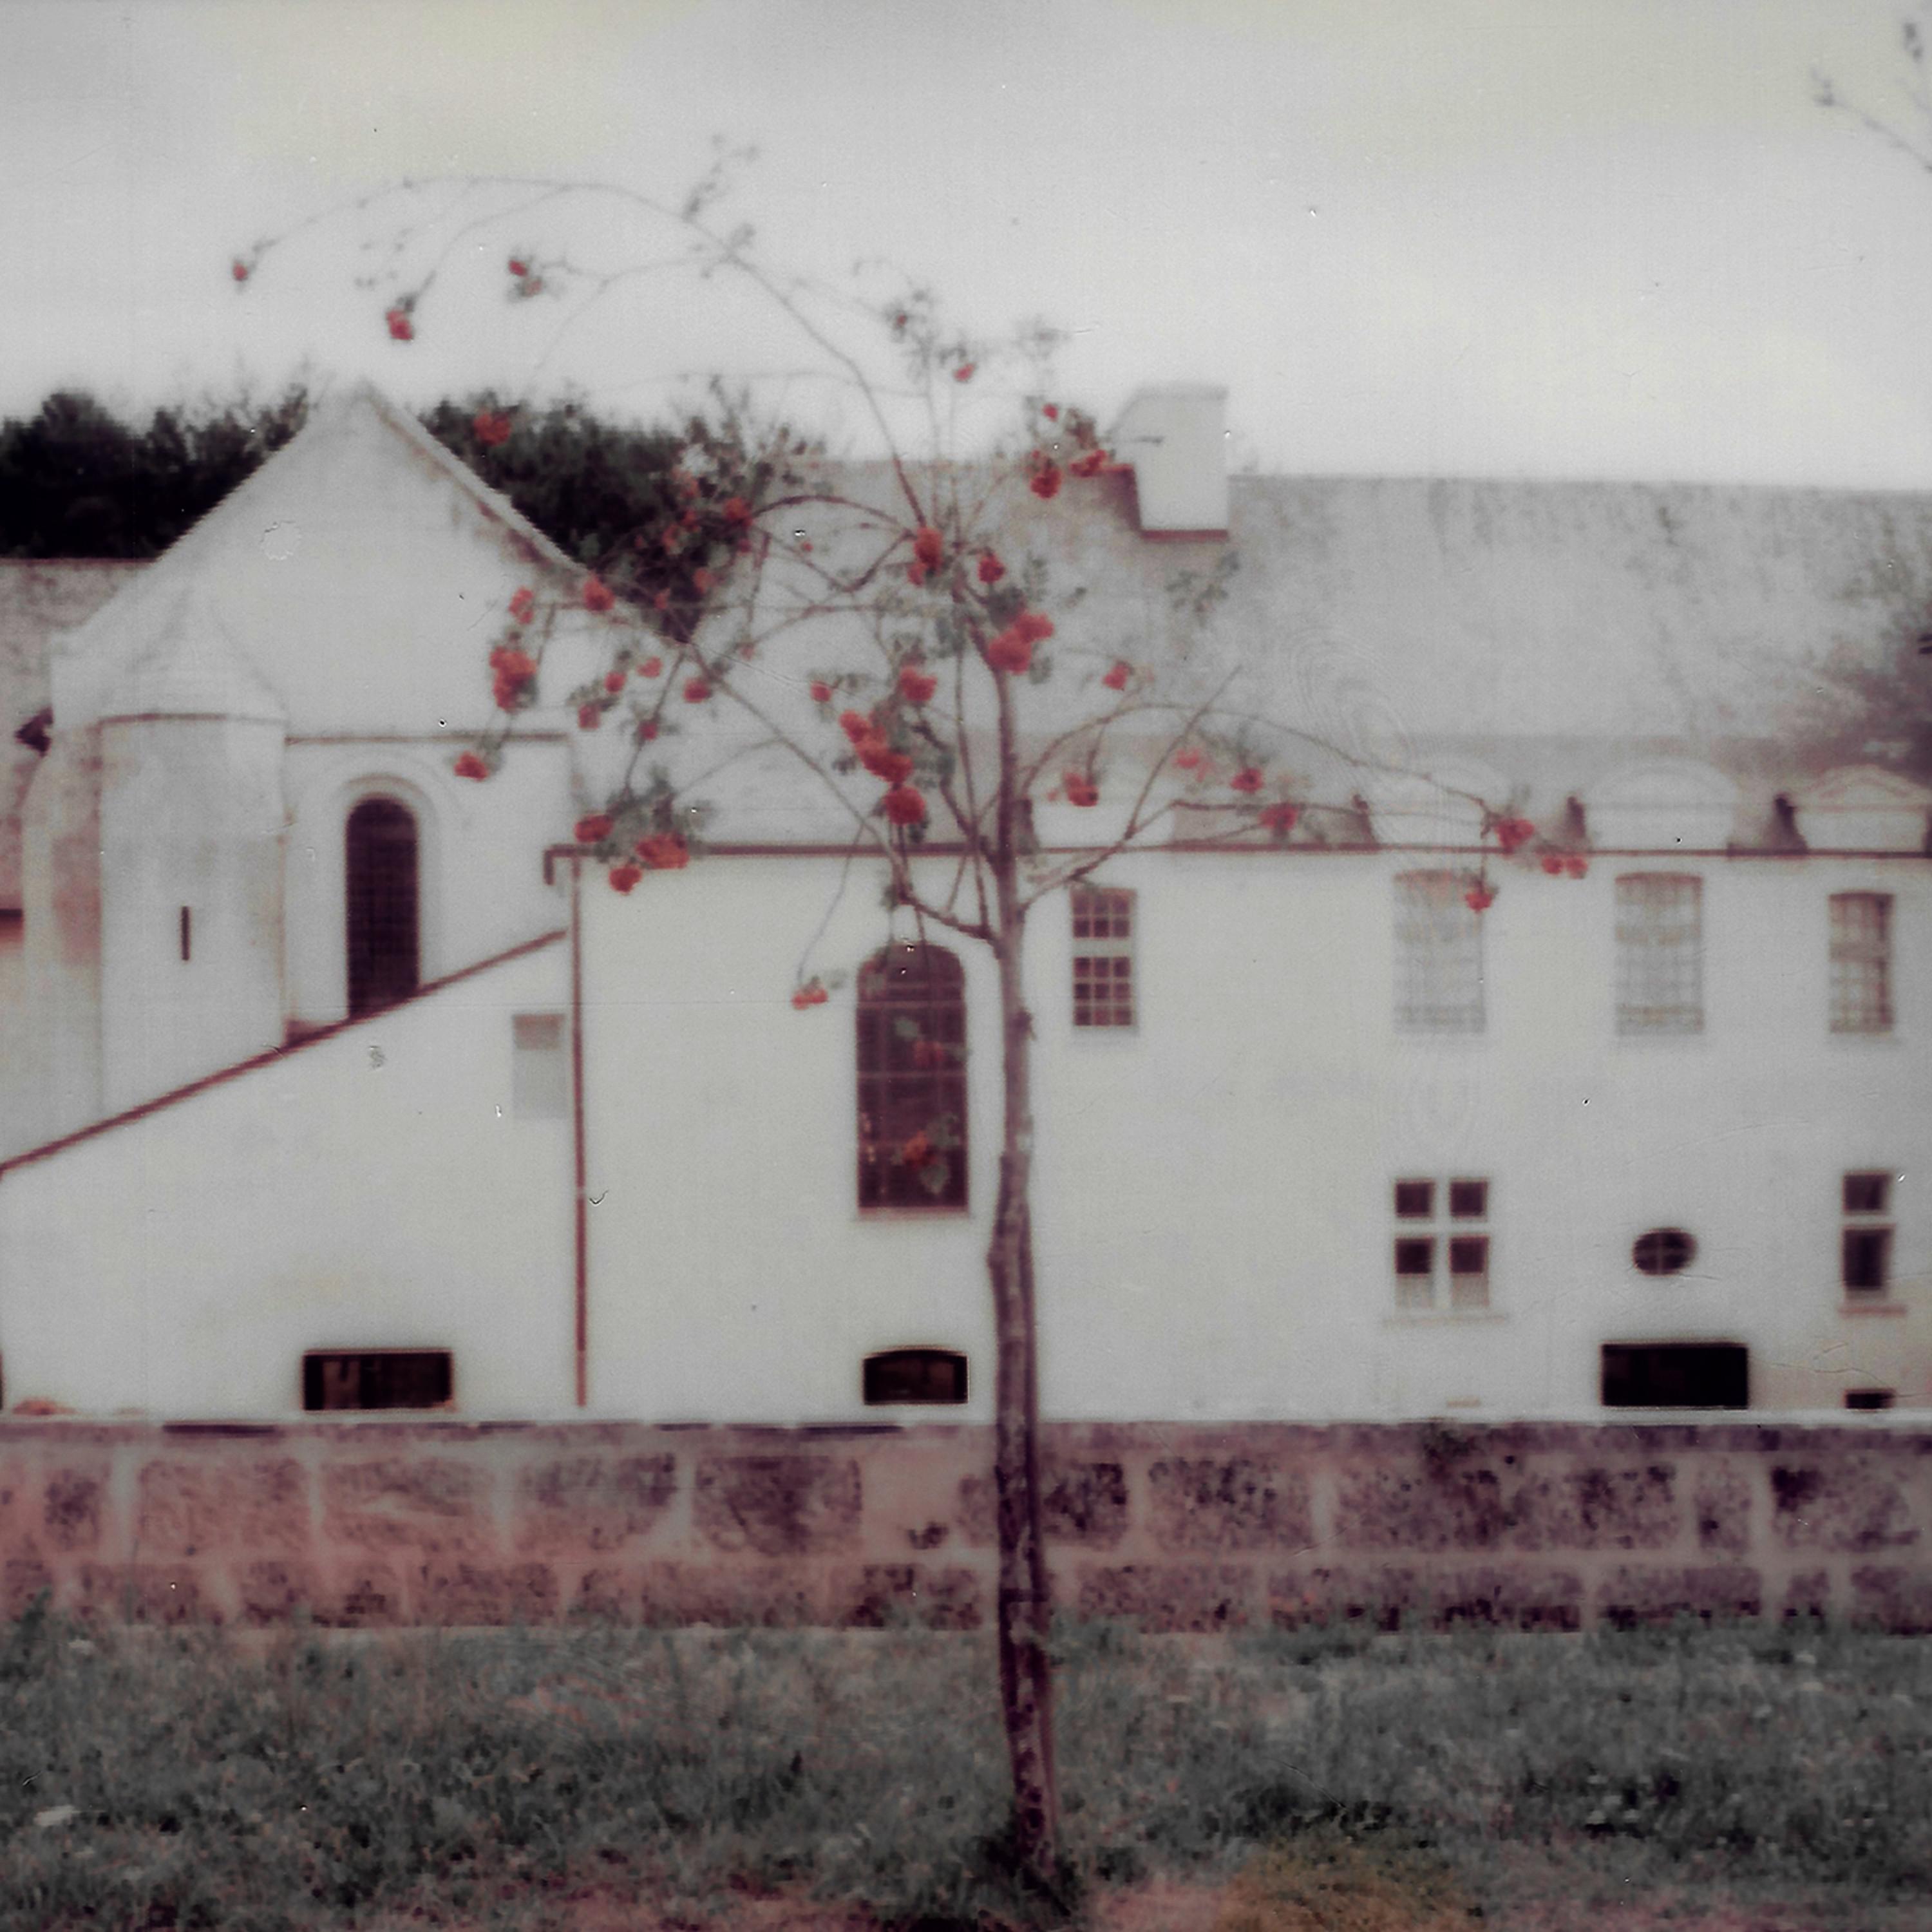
(434, 1506)
(592, 1504)
(1519, 1599)
(1723, 1500)
(1720, 1594)
(881, 1593)
(606, 1595)
(1237, 1502)
(1169, 1597)
(462, 1594)
(767, 1595)
(1596, 1508)
(1897, 1600)
(364, 1596)
(186, 1507)
(144, 1593)
(777, 1505)
(23, 1579)
(71, 1504)
(1443, 1508)
(1808, 1595)
(1843, 1506)
(273, 1592)
(1083, 1504)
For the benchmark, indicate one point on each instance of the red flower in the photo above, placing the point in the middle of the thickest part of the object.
(1576, 865)
(697, 690)
(735, 511)
(821, 691)
(664, 852)
(1050, 411)
(594, 828)
(401, 327)
(589, 716)
(240, 270)
(492, 427)
(1032, 628)
(1046, 482)
(519, 267)
(1009, 651)
(623, 877)
(916, 574)
(597, 595)
(904, 806)
(991, 568)
(469, 765)
(647, 730)
(1280, 818)
(879, 758)
(1479, 899)
(522, 606)
(650, 667)
(929, 547)
(1080, 788)
(1089, 465)
(1247, 779)
(811, 994)
(856, 725)
(1188, 757)
(1116, 679)
(917, 686)
(613, 680)
(1512, 833)
(963, 373)
(1553, 864)
(704, 582)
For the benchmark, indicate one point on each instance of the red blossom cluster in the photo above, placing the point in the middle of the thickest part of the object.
(811, 994)
(821, 691)
(1247, 779)
(1557, 864)
(613, 680)
(1046, 477)
(1080, 788)
(917, 686)
(651, 668)
(492, 427)
(905, 805)
(400, 326)
(1479, 899)
(663, 852)
(991, 568)
(735, 511)
(928, 553)
(1116, 679)
(1011, 649)
(919, 1150)
(889, 766)
(598, 596)
(512, 672)
(647, 730)
(1280, 818)
(595, 828)
(1512, 834)
(589, 716)
(963, 373)
(1189, 757)
(523, 604)
(1091, 464)
(468, 765)
(239, 270)
(697, 690)
(623, 877)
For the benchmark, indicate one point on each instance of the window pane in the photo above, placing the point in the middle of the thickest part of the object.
(1469, 1254)
(1866, 1193)
(911, 1040)
(539, 1078)
(1414, 1200)
(1660, 953)
(1468, 1200)
(1414, 1256)
(1866, 1251)
(915, 1374)
(1861, 962)
(1438, 955)
(1675, 1375)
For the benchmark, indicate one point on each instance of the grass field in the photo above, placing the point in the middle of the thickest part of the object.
(1311, 1783)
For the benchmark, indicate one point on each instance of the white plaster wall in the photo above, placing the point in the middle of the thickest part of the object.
(1213, 1211)
(373, 1189)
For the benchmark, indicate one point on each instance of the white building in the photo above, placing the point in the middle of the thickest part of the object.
(1331, 1145)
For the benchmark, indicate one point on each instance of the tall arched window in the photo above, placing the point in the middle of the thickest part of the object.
(384, 956)
(912, 1079)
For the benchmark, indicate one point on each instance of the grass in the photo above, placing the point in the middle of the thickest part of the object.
(478, 1780)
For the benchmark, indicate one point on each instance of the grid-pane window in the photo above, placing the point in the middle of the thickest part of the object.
(380, 844)
(912, 1079)
(1861, 962)
(1660, 953)
(1438, 955)
(1865, 1241)
(1441, 1250)
(1103, 956)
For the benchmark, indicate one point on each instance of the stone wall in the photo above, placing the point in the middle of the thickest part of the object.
(1527, 1525)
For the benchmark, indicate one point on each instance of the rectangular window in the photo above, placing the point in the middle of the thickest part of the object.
(539, 1078)
(1438, 955)
(1441, 1259)
(1660, 953)
(1861, 962)
(1675, 1375)
(928, 1375)
(1864, 1244)
(1103, 956)
(335, 1378)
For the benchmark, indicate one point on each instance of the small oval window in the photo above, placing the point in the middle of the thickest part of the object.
(1662, 1251)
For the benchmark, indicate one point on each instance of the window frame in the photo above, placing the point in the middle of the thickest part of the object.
(1439, 986)
(1427, 1216)
(315, 1381)
(1860, 1003)
(901, 1095)
(373, 977)
(1112, 949)
(1651, 970)
(1867, 1231)
(538, 1090)
(875, 1369)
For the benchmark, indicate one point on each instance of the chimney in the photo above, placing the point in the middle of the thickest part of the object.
(1175, 435)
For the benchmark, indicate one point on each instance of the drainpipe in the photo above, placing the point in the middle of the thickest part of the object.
(582, 1302)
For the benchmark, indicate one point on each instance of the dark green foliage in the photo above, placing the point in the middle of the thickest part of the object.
(76, 481)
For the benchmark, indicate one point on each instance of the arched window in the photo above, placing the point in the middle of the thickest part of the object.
(912, 1079)
(384, 961)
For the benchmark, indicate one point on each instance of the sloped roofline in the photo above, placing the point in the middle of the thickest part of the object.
(175, 1095)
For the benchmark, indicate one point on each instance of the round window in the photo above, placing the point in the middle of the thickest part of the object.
(1662, 1251)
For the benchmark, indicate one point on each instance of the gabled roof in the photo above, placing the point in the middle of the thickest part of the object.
(193, 669)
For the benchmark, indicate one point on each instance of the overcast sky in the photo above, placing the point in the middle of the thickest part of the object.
(1536, 237)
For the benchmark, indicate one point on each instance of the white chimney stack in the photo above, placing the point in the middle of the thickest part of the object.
(1175, 435)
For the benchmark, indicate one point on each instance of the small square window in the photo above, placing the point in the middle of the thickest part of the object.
(1103, 956)
(1451, 1243)
(1415, 1199)
(1469, 1200)
(1866, 1193)
(1868, 1252)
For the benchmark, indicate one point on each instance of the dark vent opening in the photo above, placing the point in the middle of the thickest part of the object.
(932, 1375)
(1662, 1251)
(1871, 1398)
(334, 1379)
(1676, 1374)
(384, 961)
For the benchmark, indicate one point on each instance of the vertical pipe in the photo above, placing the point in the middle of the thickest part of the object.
(583, 1223)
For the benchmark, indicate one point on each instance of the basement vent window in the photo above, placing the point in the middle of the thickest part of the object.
(931, 1376)
(539, 1078)
(1676, 1374)
(336, 1378)
(1872, 1398)
(1662, 1251)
